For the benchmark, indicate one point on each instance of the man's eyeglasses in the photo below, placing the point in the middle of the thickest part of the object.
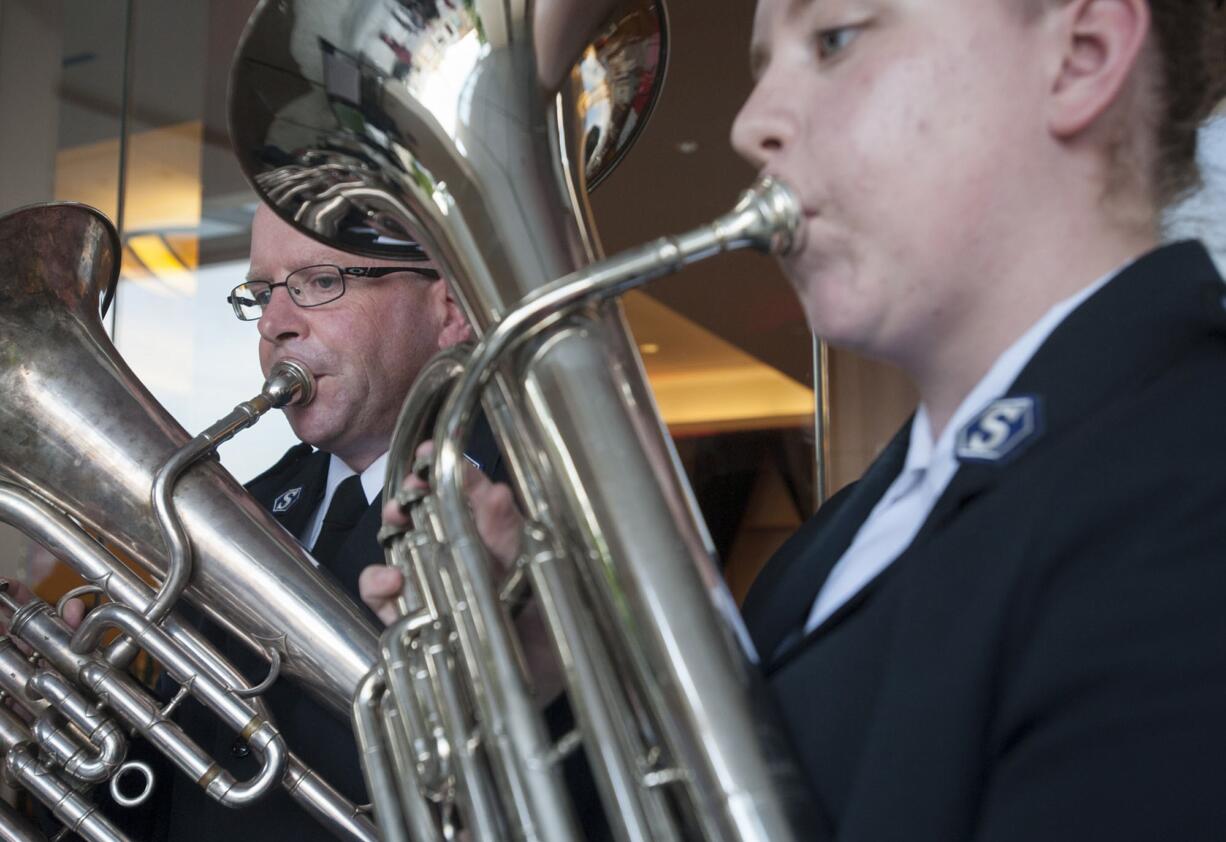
(310, 286)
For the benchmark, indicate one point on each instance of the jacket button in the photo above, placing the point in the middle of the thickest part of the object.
(240, 748)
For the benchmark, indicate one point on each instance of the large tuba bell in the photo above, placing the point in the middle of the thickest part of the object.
(369, 122)
(93, 468)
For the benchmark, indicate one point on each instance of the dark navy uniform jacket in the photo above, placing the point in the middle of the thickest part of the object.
(322, 738)
(1047, 660)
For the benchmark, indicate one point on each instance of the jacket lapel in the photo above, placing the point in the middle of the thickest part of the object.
(295, 495)
(780, 600)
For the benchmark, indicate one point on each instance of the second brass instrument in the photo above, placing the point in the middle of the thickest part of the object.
(88, 452)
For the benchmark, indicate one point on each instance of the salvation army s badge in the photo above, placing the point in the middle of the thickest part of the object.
(1001, 431)
(286, 500)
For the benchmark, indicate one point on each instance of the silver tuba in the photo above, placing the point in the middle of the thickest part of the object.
(92, 467)
(369, 122)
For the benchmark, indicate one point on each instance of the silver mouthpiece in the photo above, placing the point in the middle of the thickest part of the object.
(777, 225)
(289, 383)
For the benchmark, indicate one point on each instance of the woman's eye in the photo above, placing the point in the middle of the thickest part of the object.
(831, 42)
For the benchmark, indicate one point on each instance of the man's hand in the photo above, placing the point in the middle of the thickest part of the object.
(500, 526)
(498, 523)
(379, 585)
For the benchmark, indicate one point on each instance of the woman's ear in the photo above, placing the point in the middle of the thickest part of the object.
(453, 326)
(1099, 43)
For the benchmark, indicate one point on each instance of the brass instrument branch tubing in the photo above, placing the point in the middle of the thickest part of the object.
(289, 382)
(69, 807)
(411, 793)
(259, 734)
(405, 662)
(767, 217)
(49, 527)
(47, 696)
(376, 764)
(107, 746)
(38, 625)
(585, 662)
(477, 798)
(322, 800)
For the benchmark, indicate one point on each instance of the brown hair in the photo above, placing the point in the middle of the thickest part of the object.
(1190, 36)
(1188, 49)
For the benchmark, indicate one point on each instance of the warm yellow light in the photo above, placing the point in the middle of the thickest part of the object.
(163, 192)
(742, 397)
(703, 383)
(163, 180)
(165, 266)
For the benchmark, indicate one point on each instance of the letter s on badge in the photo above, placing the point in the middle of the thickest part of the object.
(1001, 431)
(286, 499)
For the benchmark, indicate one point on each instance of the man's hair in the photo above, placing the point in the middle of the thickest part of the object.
(1186, 63)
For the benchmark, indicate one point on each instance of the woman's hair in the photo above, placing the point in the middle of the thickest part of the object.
(1190, 39)
(1187, 60)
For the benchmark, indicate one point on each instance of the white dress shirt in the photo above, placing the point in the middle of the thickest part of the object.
(338, 471)
(930, 465)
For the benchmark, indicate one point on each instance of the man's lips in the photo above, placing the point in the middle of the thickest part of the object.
(317, 370)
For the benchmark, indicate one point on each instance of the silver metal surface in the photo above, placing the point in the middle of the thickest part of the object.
(767, 217)
(70, 808)
(144, 771)
(86, 441)
(84, 433)
(51, 528)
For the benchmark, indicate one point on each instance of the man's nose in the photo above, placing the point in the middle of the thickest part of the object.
(281, 318)
(766, 124)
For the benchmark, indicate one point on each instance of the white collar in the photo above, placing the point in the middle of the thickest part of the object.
(922, 450)
(338, 472)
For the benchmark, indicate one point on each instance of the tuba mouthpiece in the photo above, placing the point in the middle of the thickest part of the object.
(778, 219)
(289, 383)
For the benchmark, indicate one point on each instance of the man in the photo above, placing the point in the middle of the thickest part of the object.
(365, 327)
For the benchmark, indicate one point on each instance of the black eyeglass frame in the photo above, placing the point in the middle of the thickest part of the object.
(343, 272)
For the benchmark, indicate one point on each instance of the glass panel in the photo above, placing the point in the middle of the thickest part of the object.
(187, 216)
(185, 212)
(61, 90)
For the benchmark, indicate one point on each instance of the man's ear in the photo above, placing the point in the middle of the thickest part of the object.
(453, 326)
(1099, 43)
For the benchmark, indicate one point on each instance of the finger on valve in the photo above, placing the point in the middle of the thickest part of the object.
(380, 586)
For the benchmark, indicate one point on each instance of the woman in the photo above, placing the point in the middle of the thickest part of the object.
(1012, 626)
